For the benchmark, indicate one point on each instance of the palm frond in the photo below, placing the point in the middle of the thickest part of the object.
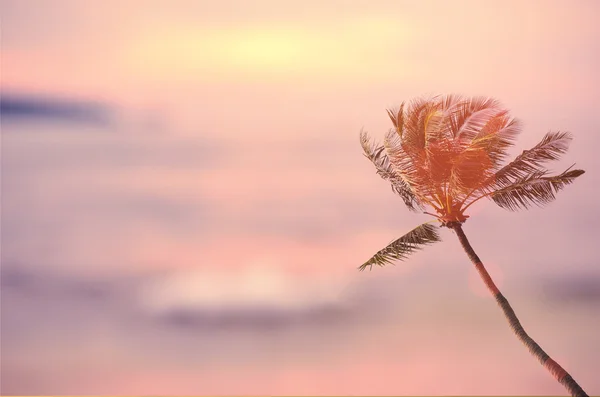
(529, 162)
(470, 167)
(471, 115)
(413, 136)
(377, 155)
(399, 249)
(534, 189)
(434, 124)
(496, 136)
(397, 117)
(453, 105)
(477, 163)
(408, 165)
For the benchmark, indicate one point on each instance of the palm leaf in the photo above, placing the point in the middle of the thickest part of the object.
(453, 105)
(497, 136)
(472, 115)
(377, 155)
(397, 117)
(550, 148)
(413, 136)
(474, 168)
(470, 167)
(399, 249)
(409, 166)
(534, 189)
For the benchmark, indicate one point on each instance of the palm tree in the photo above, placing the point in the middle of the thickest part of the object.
(447, 153)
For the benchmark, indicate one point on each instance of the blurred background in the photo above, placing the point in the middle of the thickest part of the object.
(185, 201)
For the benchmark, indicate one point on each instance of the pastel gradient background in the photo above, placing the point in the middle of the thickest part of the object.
(191, 223)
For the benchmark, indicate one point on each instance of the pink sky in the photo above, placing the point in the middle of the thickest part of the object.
(216, 253)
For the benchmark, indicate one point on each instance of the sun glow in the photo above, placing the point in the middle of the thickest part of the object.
(263, 50)
(279, 51)
(249, 51)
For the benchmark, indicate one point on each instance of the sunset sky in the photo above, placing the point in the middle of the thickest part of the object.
(195, 225)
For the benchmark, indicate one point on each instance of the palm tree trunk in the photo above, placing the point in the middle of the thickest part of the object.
(552, 366)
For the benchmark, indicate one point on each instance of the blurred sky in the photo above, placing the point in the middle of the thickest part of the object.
(185, 201)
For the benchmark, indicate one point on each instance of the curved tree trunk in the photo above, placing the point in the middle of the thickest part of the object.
(552, 366)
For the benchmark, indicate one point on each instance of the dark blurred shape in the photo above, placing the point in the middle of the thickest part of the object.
(582, 289)
(13, 277)
(17, 278)
(260, 318)
(30, 107)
